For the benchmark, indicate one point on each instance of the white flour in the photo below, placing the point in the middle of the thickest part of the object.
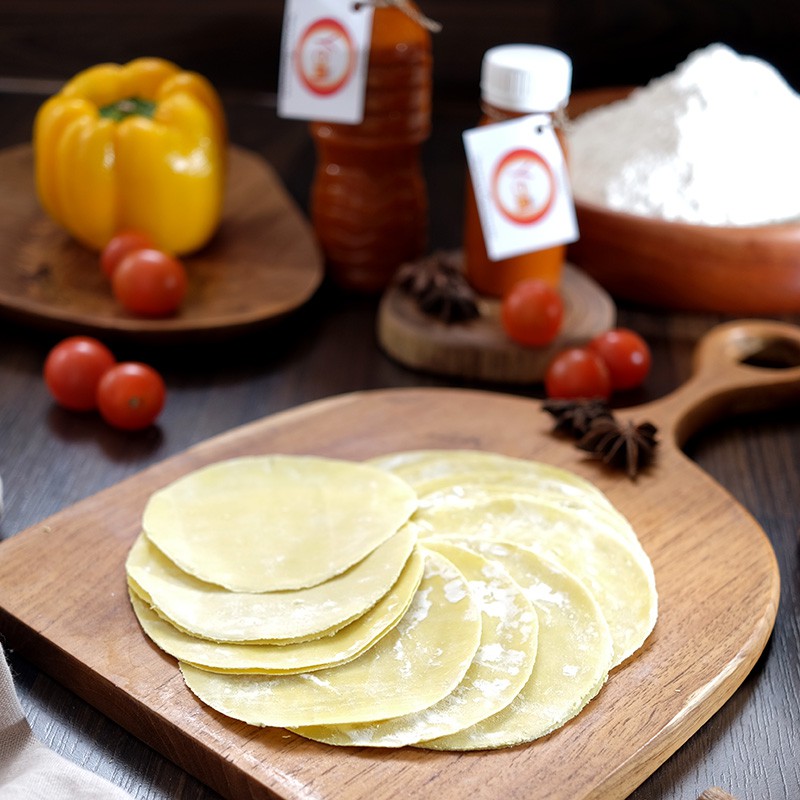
(716, 142)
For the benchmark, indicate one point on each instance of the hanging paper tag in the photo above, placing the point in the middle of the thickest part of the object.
(324, 56)
(521, 186)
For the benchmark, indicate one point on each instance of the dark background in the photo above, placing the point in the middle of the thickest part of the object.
(235, 43)
(50, 458)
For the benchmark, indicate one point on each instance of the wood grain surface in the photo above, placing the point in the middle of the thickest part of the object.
(262, 263)
(479, 349)
(716, 573)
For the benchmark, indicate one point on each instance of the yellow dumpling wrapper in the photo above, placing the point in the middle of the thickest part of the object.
(572, 659)
(406, 671)
(276, 522)
(460, 489)
(211, 612)
(614, 569)
(501, 667)
(421, 467)
(325, 651)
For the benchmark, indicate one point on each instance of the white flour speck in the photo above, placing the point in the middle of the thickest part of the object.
(455, 591)
(491, 688)
(316, 680)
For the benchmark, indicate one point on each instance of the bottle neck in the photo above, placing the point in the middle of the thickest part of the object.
(493, 113)
(556, 119)
(396, 27)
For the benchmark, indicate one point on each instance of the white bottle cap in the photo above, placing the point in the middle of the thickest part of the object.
(526, 77)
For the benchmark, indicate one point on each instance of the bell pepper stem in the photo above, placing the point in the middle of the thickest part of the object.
(128, 107)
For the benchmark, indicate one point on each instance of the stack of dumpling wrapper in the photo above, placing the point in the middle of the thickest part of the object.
(451, 600)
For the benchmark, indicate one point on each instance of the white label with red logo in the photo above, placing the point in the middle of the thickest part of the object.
(324, 56)
(521, 186)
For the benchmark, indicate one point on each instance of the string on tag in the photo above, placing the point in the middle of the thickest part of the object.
(561, 119)
(406, 7)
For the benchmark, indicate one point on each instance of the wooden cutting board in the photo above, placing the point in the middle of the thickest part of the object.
(63, 599)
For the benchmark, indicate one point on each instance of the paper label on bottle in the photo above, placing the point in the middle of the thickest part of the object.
(519, 176)
(324, 57)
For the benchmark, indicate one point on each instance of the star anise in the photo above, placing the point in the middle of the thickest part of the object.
(413, 277)
(574, 417)
(439, 287)
(621, 444)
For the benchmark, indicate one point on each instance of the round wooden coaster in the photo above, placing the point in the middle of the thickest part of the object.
(479, 349)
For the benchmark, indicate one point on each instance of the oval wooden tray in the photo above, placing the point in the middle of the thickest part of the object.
(672, 265)
(262, 263)
(716, 574)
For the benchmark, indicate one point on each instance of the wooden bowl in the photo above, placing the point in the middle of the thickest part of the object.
(681, 266)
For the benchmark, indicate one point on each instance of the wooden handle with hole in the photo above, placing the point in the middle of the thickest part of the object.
(739, 367)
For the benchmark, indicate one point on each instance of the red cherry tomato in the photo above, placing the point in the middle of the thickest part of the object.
(131, 395)
(577, 372)
(150, 283)
(73, 369)
(627, 357)
(121, 245)
(532, 313)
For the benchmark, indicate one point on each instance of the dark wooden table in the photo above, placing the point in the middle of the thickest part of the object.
(50, 458)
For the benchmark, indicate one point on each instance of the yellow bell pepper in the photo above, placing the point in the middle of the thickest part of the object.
(136, 146)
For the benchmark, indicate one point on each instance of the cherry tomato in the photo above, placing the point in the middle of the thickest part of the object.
(150, 283)
(577, 372)
(73, 369)
(532, 313)
(626, 354)
(131, 395)
(121, 245)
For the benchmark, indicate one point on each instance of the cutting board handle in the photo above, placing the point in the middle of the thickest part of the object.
(739, 367)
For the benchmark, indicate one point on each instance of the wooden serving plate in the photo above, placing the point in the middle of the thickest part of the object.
(479, 348)
(262, 263)
(63, 598)
(673, 265)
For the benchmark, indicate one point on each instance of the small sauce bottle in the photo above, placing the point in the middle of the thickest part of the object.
(516, 80)
(369, 202)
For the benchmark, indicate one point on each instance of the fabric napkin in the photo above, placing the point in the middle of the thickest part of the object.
(29, 770)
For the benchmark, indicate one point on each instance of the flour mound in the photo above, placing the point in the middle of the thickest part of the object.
(716, 142)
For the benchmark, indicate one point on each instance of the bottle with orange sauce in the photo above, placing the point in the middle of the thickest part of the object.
(516, 80)
(369, 202)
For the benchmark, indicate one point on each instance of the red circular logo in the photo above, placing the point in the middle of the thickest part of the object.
(523, 186)
(325, 57)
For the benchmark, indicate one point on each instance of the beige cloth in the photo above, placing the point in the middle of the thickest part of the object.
(31, 771)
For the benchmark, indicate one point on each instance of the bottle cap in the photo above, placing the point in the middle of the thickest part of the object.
(526, 77)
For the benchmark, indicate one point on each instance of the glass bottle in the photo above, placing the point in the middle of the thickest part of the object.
(369, 203)
(516, 80)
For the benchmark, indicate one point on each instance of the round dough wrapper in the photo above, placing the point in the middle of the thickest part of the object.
(542, 509)
(617, 572)
(272, 523)
(407, 670)
(417, 467)
(455, 488)
(572, 659)
(346, 644)
(208, 611)
(501, 666)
